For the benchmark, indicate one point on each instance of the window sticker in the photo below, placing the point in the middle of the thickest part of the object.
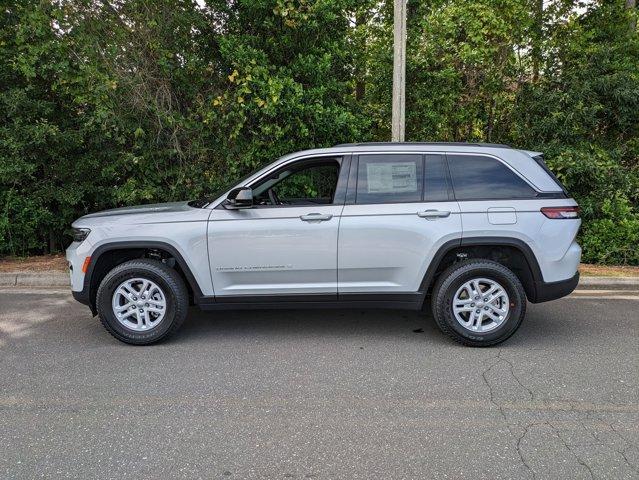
(391, 177)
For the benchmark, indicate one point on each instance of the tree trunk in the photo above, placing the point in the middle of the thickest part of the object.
(360, 89)
(51, 241)
(360, 84)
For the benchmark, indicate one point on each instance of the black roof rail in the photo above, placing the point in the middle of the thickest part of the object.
(458, 144)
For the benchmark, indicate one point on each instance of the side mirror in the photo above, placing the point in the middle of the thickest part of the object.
(238, 198)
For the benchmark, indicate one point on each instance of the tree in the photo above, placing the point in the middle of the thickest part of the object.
(105, 103)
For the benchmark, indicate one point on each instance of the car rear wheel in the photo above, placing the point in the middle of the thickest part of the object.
(478, 302)
(142, 301)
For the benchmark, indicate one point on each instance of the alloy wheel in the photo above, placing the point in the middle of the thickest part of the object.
(139, 304)
(481, 305)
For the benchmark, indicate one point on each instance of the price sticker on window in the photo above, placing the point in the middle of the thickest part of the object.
(392, 177)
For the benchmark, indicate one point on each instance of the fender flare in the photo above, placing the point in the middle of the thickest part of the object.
(520, 245)
(87, 296)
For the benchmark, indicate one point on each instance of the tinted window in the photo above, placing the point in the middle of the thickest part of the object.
(302, 183)
(317, 182)
(435, 184)
(389, 178)
(477, 177)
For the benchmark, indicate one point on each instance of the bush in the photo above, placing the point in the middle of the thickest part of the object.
(104, 104)
(613, 239)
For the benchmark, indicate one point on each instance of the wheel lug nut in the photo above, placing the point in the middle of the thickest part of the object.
(485, 308)
(477, 311)
(135, 298)
(141, 310)
(146, 304)
(472, 304)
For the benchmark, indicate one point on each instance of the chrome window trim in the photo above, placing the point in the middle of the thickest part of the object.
(340, 153)
(275, 165)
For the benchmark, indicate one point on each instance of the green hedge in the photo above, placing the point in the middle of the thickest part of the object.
(104, 104)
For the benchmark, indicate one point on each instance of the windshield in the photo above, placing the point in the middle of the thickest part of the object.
(207, 200)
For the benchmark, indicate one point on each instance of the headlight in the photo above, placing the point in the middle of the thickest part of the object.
(80, 234)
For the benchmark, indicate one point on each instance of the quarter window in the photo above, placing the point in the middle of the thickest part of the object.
(389, 178)
(483, 178)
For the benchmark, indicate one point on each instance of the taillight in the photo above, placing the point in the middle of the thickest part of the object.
(566, 213)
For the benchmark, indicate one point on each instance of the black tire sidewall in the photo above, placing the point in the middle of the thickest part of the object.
(506, 279)
(105, 310)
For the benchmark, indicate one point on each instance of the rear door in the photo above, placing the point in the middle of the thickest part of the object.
(399, 210)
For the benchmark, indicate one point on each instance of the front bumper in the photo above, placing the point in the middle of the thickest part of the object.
(76, 255)
(82, 297)
(546, 291)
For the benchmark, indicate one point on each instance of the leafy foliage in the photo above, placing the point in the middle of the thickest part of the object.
(107, 103)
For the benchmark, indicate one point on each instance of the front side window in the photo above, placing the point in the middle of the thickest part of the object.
(477, 177)
(389, 178)
(306, 183)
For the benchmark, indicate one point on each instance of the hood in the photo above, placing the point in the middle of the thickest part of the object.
(137, 214)
(138, 209)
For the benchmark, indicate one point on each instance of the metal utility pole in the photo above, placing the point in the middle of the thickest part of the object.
(399, 70)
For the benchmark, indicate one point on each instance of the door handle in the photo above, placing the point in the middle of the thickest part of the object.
(432, 214)
(316, 217)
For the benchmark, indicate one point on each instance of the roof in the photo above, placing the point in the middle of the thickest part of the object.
(395, 144)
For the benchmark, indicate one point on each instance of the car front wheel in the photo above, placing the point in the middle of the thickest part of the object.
(142, 301)
(478, 302)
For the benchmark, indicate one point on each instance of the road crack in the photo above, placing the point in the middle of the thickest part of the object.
(623, 451)
(518, 445)
(500, 407)
(512, 373)
(580, 461)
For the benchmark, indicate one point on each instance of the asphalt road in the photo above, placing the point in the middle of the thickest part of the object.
(319, 394)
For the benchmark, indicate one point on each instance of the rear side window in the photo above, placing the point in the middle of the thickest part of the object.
(477, 177)
(389, 178)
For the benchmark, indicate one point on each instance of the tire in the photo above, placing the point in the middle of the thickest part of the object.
(171, 296)
(452, 285)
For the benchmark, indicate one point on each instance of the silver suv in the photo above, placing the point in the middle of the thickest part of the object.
(475, 228)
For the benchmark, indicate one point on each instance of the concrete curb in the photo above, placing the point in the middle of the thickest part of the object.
(61, 279)
(35, 279)
(609, 283)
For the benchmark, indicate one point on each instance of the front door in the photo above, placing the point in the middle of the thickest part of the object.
(286, 245)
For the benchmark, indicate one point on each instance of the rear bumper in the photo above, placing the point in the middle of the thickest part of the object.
(546, 291)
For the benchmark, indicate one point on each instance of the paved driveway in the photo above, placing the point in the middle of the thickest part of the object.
(319, 394)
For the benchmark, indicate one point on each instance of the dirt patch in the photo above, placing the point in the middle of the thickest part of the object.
(608, 271)
(43, 263)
